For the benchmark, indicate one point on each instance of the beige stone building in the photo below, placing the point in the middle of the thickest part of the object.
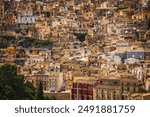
(53, 82)
(116, 87)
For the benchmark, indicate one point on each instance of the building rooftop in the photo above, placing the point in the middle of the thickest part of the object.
(90, 80)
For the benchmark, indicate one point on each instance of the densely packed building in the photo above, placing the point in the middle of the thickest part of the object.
(85, 49)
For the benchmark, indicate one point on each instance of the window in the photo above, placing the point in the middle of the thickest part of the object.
(85, 85)
(115, 83)
(146, 17)
(114, 97)
(134, 87)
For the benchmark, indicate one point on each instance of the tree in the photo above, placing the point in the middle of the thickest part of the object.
(46, 98)
(7, 41)
(29, 91)
(80, 36)
(53, 98)
(12, 85)
(39, 95)
(31, 42)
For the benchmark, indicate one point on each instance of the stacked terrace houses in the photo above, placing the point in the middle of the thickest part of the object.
(100, 51)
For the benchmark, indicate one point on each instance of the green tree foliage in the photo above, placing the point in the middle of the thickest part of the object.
(46, 98)
(30, 42)
(42, 43)
(29, 91)
(6, 41)
(80, 36)
(20, 53)
(39, 95)
(53, 98)
(50, 98)
(13, 86)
